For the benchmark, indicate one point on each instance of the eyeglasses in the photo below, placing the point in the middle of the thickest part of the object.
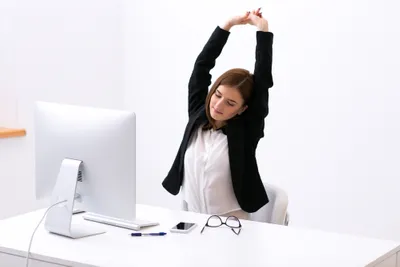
(216, 221)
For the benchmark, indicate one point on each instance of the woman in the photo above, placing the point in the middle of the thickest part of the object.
(216, 164)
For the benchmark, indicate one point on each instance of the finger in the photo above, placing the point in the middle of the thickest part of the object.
(252, 18)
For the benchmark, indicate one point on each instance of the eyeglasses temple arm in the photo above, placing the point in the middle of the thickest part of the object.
(233, 230)
(202, 229)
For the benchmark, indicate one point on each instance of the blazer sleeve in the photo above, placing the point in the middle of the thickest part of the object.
(258, 106)
(200, 78)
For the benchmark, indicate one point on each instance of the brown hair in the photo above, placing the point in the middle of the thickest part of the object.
(240, 79)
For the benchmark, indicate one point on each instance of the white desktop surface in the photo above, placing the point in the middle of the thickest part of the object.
(259, 244)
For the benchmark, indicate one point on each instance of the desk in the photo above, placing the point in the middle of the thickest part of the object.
(259, 244)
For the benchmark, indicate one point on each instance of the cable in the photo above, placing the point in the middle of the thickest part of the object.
(33, 234)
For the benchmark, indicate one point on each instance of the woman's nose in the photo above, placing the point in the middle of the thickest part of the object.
(219, 103)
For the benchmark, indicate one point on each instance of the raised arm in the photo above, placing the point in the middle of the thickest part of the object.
(262, 74)
(200, 78)
(258, 106)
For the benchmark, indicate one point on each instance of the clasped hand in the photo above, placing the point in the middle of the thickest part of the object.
(254, 18)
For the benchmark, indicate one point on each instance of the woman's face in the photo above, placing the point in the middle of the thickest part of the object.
(226, 103)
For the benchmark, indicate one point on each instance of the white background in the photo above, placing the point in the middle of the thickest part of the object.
(332, 133)
(62, 51)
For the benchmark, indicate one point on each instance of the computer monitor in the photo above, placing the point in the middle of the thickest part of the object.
(85, 157)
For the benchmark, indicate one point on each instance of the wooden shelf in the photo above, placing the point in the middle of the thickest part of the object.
(9, 132)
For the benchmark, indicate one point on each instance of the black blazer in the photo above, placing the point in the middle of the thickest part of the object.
(243, 131)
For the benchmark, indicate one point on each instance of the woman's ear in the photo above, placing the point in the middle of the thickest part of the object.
(242, 109)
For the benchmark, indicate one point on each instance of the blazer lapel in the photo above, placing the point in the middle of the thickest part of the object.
(196, 120)
(234, 132)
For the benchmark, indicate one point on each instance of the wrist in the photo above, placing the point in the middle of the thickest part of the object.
(227, 26)
(263, 28)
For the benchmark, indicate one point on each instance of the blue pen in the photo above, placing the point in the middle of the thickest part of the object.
(148, 234)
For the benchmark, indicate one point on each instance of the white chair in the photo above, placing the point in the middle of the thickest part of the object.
(275, 211)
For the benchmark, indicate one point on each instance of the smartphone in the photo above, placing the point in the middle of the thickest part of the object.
(183, 227)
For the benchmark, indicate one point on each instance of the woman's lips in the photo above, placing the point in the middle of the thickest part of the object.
(217, 111)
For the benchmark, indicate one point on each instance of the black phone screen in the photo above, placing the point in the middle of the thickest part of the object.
(183, 226)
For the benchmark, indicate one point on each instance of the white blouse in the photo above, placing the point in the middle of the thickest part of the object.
(207, 184)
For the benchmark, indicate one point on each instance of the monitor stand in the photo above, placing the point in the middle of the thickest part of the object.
(59, 216)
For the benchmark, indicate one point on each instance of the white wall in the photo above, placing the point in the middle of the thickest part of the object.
(332, 134)
(62, 51)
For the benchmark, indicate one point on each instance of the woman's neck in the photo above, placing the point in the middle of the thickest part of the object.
(220, 124)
